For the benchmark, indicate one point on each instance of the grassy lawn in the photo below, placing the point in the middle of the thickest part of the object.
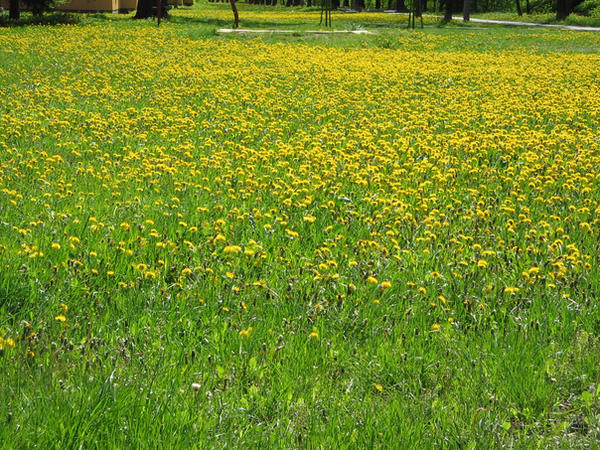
(298, 241)
(550, 18)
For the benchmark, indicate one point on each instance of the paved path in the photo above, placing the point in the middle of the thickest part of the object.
(459, 18)
(246, 30)
(511, 22)
(530, 24)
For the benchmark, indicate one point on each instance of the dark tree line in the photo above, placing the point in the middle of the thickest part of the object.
(37, 7)
(358, 5)
(148, 8)
(14, 10)
(449, 7)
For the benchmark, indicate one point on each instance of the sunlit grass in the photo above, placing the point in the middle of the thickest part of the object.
(297, 241)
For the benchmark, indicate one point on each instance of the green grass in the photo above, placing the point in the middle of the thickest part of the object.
(133, 161)
(549, 18)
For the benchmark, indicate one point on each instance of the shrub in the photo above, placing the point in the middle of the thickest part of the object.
(590, 8)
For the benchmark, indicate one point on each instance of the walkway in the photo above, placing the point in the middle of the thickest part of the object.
(247, 30)
(530, 24)
(511, 22)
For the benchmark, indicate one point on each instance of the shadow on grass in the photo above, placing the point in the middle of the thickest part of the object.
(247, 23)
(54, 18)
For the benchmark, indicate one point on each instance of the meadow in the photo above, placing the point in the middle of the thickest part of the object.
(300, 241)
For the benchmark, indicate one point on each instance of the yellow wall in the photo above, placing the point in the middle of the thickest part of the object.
(128, 4)
(89, 5)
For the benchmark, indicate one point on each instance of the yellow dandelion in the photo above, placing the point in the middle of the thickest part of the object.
(291, 233)
(245, 334)
(511, 290)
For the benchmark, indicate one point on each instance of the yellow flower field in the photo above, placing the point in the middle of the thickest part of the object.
(233, 204)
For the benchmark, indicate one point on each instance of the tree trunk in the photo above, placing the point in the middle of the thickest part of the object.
(401, 6)
(562, 9)
(474, 6)
(15, 10)
(423, 5)
(418, 12)
(236, 18)
(356, 5)
(144, 9)
(467, 10)
(335, 4)
(37, 8)
(448, 11)
(149, 8)
(377, 4)
(527, 7)
(519, 10)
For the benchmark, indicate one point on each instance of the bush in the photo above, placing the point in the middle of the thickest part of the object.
(54, 18)
(589, 8)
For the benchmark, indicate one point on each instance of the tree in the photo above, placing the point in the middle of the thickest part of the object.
(148, 8)
(15, 10)
(562, 9)
(401, 6)
(467, 10)
(236, 17)
(519, 10)
(144, 9)
(38, 7)
(448, 11)
(358, 5)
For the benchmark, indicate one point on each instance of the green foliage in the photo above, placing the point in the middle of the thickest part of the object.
(54, 18)
(589, 8)
(39, 7)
